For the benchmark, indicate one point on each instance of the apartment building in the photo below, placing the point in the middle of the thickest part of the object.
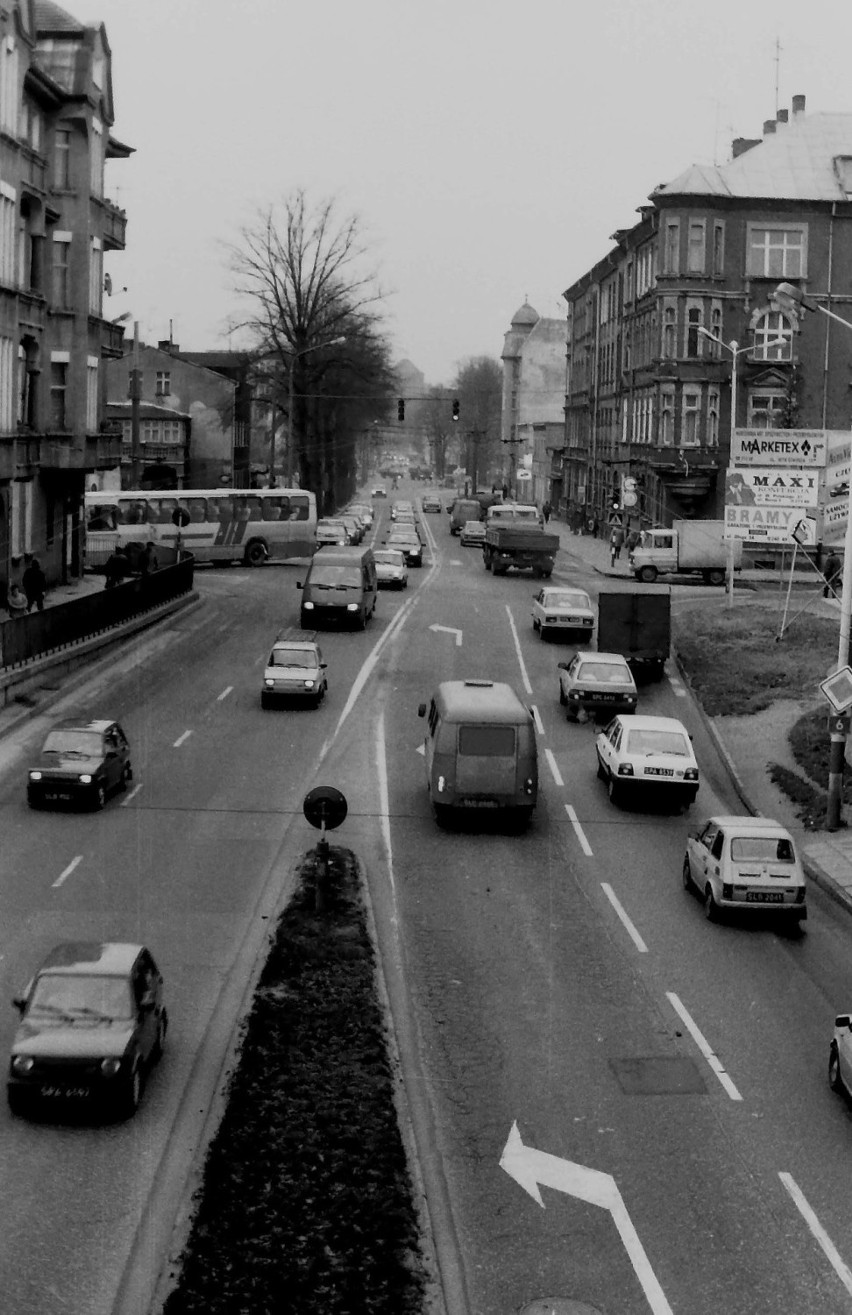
(681, 307)
(532, 414)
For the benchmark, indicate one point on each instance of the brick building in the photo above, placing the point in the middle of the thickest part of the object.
(649, 391)
(56, 112)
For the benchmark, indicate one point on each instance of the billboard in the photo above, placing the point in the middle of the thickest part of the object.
(768, 524)
(780, 447)
(762, 486)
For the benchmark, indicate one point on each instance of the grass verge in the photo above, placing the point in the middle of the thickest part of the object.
(306, 1204)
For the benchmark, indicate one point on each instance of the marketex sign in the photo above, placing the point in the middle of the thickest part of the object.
(759, 486)
(780, 447)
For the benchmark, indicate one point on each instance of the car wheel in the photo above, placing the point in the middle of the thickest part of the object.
(126, 775)
(264, 700)
(601, 772)
(835, 1081)
(613, 790)
(99, 797)
(131, 1094)
(687, 875)
(160, 1039)
(711, 908)
(17, 1102)
(33, 801)
(562, 698)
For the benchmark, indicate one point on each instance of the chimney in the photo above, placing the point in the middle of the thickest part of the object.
(798, 106)
(768, 126)
(783, 116)
(740, 145)
(166, 345)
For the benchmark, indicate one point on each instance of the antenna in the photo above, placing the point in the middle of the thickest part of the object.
(777, 70)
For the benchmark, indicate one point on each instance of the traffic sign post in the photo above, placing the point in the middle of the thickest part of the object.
(325, 808)
(180, 518)
(838, 690)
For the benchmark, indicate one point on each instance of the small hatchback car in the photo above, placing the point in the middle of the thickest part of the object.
(472, 534)
(564, 612)
(295, 670)
(598, 682)
(745, 864)
(391, 568)
(840, 1055)
(93, 1022)
(430, 502)
(408, 543)
(647, 753)
(80, 762)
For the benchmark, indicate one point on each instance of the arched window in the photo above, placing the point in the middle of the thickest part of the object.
(773, 337)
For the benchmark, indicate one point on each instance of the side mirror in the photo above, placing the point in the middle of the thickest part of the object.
(299, 584)
(323, 666)
(843, 1020)
(19, 1001)
(421, 711)
(148, 1002)
(562, 666)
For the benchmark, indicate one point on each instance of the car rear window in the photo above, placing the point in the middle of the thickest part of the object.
(762, 849)
(487, 741)
(609, 673)
(649, 742)
(292, 657)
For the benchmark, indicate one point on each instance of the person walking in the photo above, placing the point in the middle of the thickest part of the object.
(35, 584)
(149, 561)
(116, 568)
(831, 572)
(16, 601)
(616, 540)
(546, 510)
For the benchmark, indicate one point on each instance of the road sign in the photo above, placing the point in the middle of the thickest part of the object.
(180, 517)
(838, 689)
(838, 723)
(629, 498)
(325, 807)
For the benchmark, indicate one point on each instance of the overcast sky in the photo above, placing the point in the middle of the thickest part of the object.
(489, 148)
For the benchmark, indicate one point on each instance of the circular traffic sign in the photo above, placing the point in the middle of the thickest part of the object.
(325, 806)
(180, 517)
(629, 498)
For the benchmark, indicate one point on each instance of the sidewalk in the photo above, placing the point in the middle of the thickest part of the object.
(750, 742)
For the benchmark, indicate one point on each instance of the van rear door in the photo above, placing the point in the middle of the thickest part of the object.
(486, 761)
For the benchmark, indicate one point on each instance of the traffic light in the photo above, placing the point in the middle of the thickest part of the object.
(400, 409)
(456, 409)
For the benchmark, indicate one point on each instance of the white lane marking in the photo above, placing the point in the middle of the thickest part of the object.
(703, 1046)
(831, 1254)
(628, 925)
(554, 769)
(67, 873)
(126, 800)
(538, 724)
(384, 805)
(366, 669)
(678, 687)
(524, 677)
(179, 741)
(581, 835)
(224, 694)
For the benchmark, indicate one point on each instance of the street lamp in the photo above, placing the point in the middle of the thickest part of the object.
(791, 298)
(303, 351)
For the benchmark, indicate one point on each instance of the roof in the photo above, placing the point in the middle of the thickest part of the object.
(611, 659)
(110, 957)
(524, 315)
(745, 824)
(482, 701)
(795, 162)
(50, 17)
(74, 724)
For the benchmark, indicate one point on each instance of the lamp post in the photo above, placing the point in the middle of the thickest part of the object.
(791, 298)
(303, 351)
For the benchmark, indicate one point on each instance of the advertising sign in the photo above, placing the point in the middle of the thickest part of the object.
(779, 447)
(757, 524)
(760, 486)
(834, 495)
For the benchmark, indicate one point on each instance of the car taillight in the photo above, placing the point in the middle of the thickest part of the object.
(109, 1067)
(691, 774)
(529, 785)
(309, 684)
(269, 683)
(22, 1063)
(573, 694)
(625, 769)
(800, 895)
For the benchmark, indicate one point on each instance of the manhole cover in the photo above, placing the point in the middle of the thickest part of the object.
(559, 1306)
(658, 1075)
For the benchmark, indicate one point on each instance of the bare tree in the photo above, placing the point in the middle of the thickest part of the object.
(479, 388)
(313, 316)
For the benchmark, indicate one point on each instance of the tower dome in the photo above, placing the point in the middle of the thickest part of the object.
(525, 317)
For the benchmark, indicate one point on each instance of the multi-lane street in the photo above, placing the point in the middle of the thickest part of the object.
(560, 983)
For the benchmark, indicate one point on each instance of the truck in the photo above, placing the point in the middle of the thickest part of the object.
(519, 544)
(637, 624)
(688, 547)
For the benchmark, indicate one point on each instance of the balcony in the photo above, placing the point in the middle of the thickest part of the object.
(112, 223)
(111, 335)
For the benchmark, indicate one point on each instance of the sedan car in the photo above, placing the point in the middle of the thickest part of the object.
(295, 671)
(431, 502)
(363, 512)
(647, 753)
(379, 491)
(93, 1022)
(745, 864)
(332, 532)
(472, 534)
(391, 568)
(400, 507)
(565, 611)
(596, 683)
(840, 1055)
(80, 762)
(407, 543)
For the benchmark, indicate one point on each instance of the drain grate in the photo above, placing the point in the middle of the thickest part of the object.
(658, 1075)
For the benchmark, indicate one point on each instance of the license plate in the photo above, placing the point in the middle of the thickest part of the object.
(479, 803)
(50, 1092)
(764, 897)
(659, 771)
(54, 795)
(600, 698)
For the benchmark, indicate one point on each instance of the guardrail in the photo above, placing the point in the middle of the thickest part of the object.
(58, 628)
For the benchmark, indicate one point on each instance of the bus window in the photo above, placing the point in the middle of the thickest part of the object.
(197, 508)
(102, 518)
(161, 510)
(254, 509)
(132, 511)
(276, 509)
(299, 508)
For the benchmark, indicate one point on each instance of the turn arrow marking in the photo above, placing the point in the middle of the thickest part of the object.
(450, 631)
(531, 1168)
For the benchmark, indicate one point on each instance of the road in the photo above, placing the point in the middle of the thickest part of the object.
(561, 981)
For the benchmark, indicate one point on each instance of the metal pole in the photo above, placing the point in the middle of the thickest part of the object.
(733, 349)
(837, 751)
(135, 401)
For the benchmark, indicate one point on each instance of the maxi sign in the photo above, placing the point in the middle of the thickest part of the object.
(788, 485)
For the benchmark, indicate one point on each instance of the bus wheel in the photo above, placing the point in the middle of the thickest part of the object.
(256, 553)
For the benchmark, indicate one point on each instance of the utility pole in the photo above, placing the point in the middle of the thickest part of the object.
(135, 395)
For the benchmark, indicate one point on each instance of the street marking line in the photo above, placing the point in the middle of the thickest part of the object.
(224, 694)
(67, 873)
(538, 723)
(620, 910)
(678, 687)
(126, 800)
(703, 1046)
(829, 1249)
(581, 835)
(554, 769)
(181, 738)
(524, 677)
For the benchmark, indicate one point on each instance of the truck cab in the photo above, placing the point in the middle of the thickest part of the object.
(655, 554)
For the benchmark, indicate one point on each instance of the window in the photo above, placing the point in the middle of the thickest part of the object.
(768, 329)
(695, 247)
(96, 276)
(714, 349)
(62, 271)
(96, 158)
(8, 356)
(91, 394)
(777, 253)
(667, 404)
(713, 417)
(9, 90)
(718, 247)
(669, 332)
(694, 339)
(766, 407)
(689, 421)
(58, 390)
(62, 159)
(164, 383)
(671, 251)
(8, 226)
(486, 741)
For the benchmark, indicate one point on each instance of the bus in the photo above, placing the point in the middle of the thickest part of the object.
(225, 525)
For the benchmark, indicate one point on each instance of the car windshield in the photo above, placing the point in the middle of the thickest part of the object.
(336, 577)
(564, 598)
(292, 657)
(648, 742)
(607, 673)
(86, 744)
(77, 996)
(762, 849)
(389, 558)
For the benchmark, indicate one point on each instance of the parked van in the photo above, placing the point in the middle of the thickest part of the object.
(480, 751)
(340, 587)
(463, 510)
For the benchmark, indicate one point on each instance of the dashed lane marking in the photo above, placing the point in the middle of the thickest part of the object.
(132, 795)
(620, 910)
(581, 835)
(181, 739)
(554, 769)
(678, 687)
(524, 677)
(703, 1046)
(224, 694)
(67, 873)
(537, 719)
(829, 1249)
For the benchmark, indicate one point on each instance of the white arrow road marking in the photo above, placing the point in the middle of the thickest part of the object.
(449, 630)
(181, 738)
(537, 719)
(530, 1167)
(554, 767)
(67, 873)
(524, 677)
(126, 800)
(704, 1047)
(831, 1253)
(619, 908)
(421, 748)
(581, 835)
(678, 688)
(224, 694)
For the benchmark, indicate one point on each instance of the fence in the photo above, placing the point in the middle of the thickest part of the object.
(57, 628)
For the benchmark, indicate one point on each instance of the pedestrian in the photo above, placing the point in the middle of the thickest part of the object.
(547, 509)
(616, 539)
(149, 561)
(632, 540)
(116, 568)
(16, 601)
(831, 571)
(35, 584)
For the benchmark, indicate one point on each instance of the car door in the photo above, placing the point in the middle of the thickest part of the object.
(147, 987)
(538, 607)
(113, 765)
(609, 742)
(706, 853)
(568, 677)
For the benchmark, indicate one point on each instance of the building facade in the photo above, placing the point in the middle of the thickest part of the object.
(683, 302)
(56, 222)
(532, 416)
